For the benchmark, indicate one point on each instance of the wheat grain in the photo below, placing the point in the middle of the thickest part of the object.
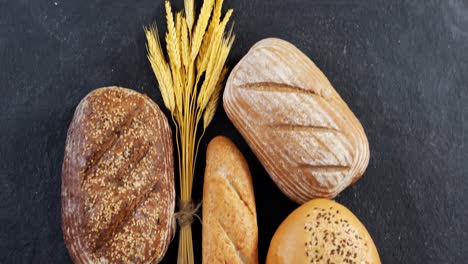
(213, 102)
(160, 66)
(216, 39)
(200, 27)
(178, 26)
(174, 59)
(171, 38)
(214, 21)
(189, 11)
(204, 52)
(216, 71)
(217, 58)
(185, 45)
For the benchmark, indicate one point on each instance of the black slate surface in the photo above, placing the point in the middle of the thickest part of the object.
(402, 66)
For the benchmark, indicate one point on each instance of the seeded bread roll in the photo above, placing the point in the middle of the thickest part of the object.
(229, 216)
(322, 231)
(117, 179)
(298, 126)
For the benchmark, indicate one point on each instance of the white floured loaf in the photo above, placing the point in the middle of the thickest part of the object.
(301, 130)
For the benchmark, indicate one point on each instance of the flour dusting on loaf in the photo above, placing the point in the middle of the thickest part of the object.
(301, 130)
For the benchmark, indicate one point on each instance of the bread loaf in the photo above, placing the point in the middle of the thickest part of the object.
(229, 216)
(117, 179)
(298, 126)
(322, 231)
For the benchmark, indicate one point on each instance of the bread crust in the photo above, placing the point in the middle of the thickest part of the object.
(117, 179)
(298, 126)
(322, 231)
(229, 232)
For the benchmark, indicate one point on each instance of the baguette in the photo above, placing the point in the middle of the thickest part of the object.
(229, 232)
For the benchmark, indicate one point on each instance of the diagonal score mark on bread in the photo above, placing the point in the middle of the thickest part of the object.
(313, 129)
(241, 256)
(105, 241)
(113, 137)
(301, 127)
(273, 61)
(134, 160)
(126, 213)
(234, 189)
(324, 168)
(279, 88)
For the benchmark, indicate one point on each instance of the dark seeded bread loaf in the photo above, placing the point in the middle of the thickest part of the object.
(117, 179)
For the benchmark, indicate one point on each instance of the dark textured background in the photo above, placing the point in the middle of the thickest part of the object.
(402, 66)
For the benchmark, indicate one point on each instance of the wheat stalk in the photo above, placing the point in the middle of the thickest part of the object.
(194, 48)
